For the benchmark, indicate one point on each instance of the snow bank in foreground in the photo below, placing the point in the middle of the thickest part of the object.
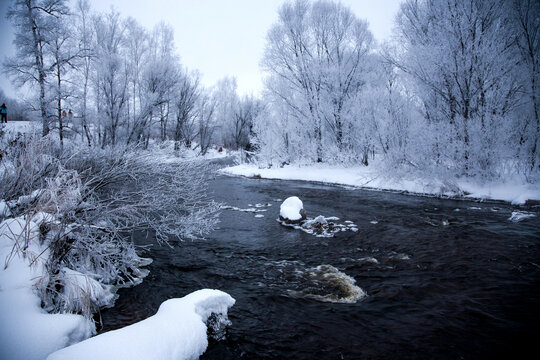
(514, 191)
(176, 331)
(26, 330)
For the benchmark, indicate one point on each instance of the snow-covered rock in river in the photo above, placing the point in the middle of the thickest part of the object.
(177, 331)
(518, 216)
(318, 223)
(292, 211)
(292, 214)
(327, 284)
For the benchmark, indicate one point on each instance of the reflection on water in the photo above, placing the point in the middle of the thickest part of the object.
(444, 278)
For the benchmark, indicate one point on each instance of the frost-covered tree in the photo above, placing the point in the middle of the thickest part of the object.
(63, 54)
(125, 84)
(226, 101)
(247, 110)
(460, 55)
(34, 22)
(315, 57)
(136, 43)
(111, 75)
(167, 69)
(86, 55)
(185, 100)
(279, 136)
(526, 30)
(206, 119)
(393, 112)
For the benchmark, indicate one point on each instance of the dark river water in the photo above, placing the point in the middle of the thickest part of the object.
(443, 279)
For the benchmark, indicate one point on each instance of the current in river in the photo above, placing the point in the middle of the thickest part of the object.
(408, 277)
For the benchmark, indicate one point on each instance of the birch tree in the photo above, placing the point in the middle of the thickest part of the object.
(34, 21)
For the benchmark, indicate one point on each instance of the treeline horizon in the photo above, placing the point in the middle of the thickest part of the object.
(455, 93)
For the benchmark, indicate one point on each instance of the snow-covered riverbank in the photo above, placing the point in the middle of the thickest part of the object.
(177, 331)
(514, 191)
(27, 331)
(59, 268)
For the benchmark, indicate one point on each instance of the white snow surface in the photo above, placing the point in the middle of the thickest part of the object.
(176, 331)
(22, 127)
(4, 209)
(290, 208)
(26, 330)
(164, 152)
(516, 191)
(77, 286)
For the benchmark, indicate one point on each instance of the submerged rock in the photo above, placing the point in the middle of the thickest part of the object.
(327, 284)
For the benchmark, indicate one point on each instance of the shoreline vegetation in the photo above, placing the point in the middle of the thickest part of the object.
(66, 215)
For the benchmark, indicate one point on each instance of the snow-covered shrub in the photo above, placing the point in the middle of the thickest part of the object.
(96, 198)
(26, 164)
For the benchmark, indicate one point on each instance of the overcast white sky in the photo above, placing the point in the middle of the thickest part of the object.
(218, 37)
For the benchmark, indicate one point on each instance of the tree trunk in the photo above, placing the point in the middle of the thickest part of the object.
(38, 53)
(59, 104)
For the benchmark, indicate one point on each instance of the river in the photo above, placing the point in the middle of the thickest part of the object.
(442, 278)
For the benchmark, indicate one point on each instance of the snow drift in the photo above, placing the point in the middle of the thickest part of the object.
(176, 331)
(26, 330)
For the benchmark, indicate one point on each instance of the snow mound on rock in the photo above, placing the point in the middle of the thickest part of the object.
(291, 209)
(177, 331)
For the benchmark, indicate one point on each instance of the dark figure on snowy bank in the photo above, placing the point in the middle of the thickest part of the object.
(3, 113)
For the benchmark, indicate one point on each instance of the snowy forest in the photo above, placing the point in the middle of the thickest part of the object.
(453, 95)
(455, 91)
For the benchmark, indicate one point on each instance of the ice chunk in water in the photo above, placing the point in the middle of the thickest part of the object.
(518, 216)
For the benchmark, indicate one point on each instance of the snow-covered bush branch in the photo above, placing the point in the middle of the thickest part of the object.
(96, 198)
